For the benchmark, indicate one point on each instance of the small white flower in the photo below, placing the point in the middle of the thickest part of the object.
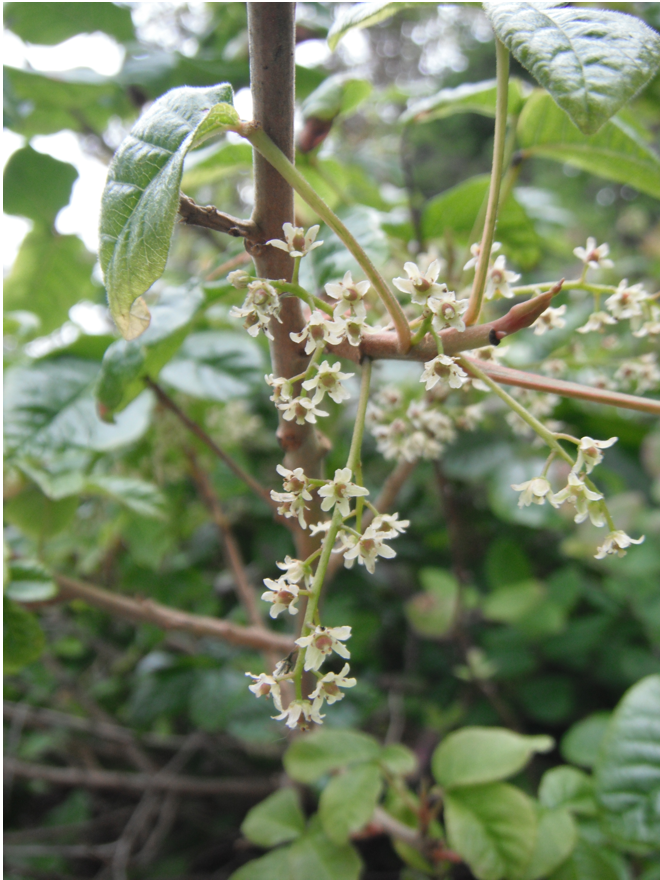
(596, 323)
(295, 571)
(320, 528)
(627, 301)
(470, 417)
(421, 286)
(641, 374)
(328, 380)
(328, 687)
(445, 368)
(339, 490)
(475, 250)
(239, 279)
(594, 256)
(353, 328)
(499, 279)
(290, 506)
(319, 332)
(389, 525)
(350, 295)
(549, 320)
(266, 686)
(366, 549)
(295, 481)
(323, 641)
(302, 409)
(616, 542)
(447, 311)
(261, 304)
(650, 327)
(282, 594)
(297, 244)
(589, 454)
(533, 491)
(282, 388)
(299, 713)
(585, 500)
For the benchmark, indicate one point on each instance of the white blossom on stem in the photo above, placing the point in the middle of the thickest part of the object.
(328, 687)
(261, 304)
(594, 256)
(295, 571)
(627, 301)
(616, 542)
(282, 594)
(475, 250)
(596, 323)
(533, 491)
(320, 528)
(389, 524)
(420, 285)
(447, 311)
(366, 548)
(290, 506)
(319, 332)
(339, 490)
(299, 713)
(302, 409)
(500, 279)
(266, 686)
(239, 279)
(650, 327)
(589, 454)
(551, 319)
(443, 368)
(586, 501)
(641, 374)
(323, 641)
(328, 379)
(350, 294)
(282, 388)
(353, 328)
(296, 242)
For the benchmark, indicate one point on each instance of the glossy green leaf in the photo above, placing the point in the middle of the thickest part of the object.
(38, 516)
(591, 61)
(311, 757)
(511, 604)
(23, 639)
(29, 581)
(337, 94)
(627, 771)
(77, 100)
(432, 613)
(568, 788)
(142, 498)
(581, 743)
(141, 196)
(555, 841)
(50, 274)
(273, 864)
(347, 802)
(36, 186)
(616, 152)
(50, 23)
(277, 819)
(363, 15)
(315, 856)
(493, 827)
(467, 98)
(589, 861)
(398, 759)
(214, 163)
(475, 755)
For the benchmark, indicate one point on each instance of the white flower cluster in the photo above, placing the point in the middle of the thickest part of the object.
(499, 278)
(439, 302)
(262, 303)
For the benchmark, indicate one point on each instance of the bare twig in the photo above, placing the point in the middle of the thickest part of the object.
(120, 781)
(148, 611)
(201, 434)
(102, 851)
(209, 217)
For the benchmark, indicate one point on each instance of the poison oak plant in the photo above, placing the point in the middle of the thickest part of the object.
(453, 314)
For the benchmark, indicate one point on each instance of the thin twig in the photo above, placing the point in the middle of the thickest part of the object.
(102, 851)
(148, 611)
(209, 217)
(201, 434)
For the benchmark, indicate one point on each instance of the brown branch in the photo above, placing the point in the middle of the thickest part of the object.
(209, 217)
(102, 851)
(201, 434)
(148, 611)
(120, 781)
(244, 589)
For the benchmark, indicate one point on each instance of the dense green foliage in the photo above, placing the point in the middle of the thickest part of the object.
(507, 704)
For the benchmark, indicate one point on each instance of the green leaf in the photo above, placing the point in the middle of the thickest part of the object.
(556, 839)
(215, 163)
(506, 563)
(126, 363)
(50, 23)
(36, 186)
(474, 755)
(568, 788)
(581, 743)
(591, 862)
(398, 759)
(274, 864)
(38, 516)
(141, 196)
(50, 274)
(278, 819)
(77, 100)
(341, 93)
(142, 498)
(511, 604)
(617, 152)
(29, 581)
(592, 62)
(311, 757)
(627, 771)
(493, 827)
(363, 15)
(23, 638)
(314, 857)
(49, 408)
(433, 612)
(215, 697)
(348, 801)
(467, 98)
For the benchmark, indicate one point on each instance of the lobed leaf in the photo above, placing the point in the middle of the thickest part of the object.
(141, 197)
(591, 61)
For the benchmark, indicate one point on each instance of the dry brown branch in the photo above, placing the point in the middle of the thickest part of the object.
(253, 789)
(209, 217)
(148, 611)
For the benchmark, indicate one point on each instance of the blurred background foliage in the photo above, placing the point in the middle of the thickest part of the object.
(488, 614)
